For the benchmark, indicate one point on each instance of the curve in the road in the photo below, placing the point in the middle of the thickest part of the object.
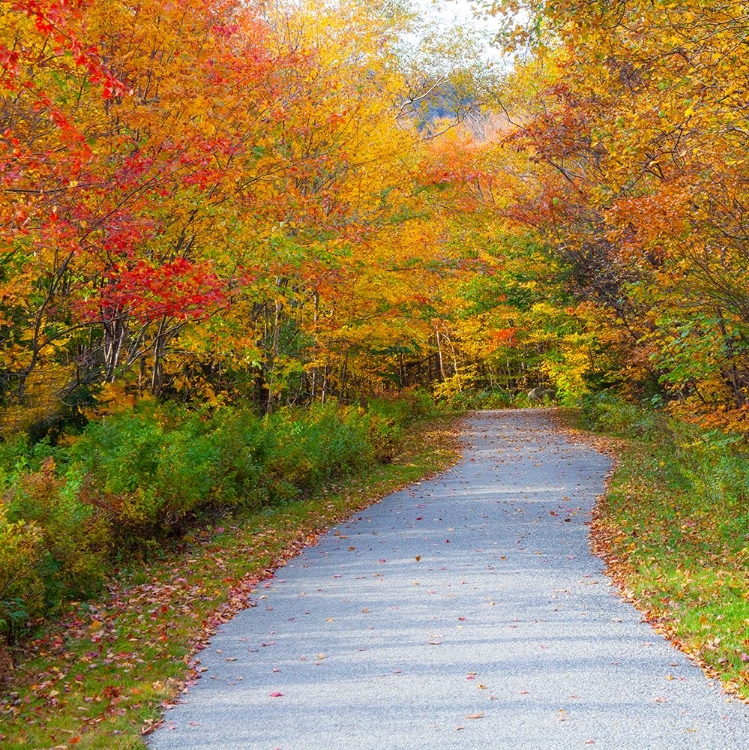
(463, 612)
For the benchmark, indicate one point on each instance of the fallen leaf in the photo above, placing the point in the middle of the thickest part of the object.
(477, 715)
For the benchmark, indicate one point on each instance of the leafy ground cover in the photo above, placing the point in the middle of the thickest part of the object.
(674, 532)
(107, 668)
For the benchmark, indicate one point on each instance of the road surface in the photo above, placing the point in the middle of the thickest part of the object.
(462, 612)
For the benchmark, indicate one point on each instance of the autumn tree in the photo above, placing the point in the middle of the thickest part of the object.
(631, 119)
(219, 199)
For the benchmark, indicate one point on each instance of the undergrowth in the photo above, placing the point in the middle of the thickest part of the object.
(135, 482)
(498, 398)
(674, 529)
(105, 669)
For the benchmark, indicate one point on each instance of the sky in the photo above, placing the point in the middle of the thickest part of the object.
(460, 12)
(449, 9)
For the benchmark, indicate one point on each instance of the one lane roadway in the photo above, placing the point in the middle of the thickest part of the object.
(463, 612)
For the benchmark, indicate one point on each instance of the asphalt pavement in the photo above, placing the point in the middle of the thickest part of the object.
(464, 612)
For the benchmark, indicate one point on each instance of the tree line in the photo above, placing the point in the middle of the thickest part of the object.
(291, 202)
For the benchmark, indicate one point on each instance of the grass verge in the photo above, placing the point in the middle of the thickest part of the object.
(104, 673)
(673, 530)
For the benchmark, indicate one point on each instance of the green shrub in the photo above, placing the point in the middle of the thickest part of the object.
(185, 477)
(71, 541)
(241, 449)
(118, 458)
(489, 399)
(382, 435)
(420, 404)
(15, 455)
(313, 445)
(709, 466)
(677, 517)
(153, 474)
(408, 407)
(605, 412)
(133, 480)
(21, 584)
(120, 453)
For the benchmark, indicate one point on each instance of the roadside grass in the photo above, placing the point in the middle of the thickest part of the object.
(107, 670)
(674, 532)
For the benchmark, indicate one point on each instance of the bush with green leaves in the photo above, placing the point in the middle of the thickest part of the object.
(311, 446)
(607, 412)
(710, 464)
(71, 540)
(135, 479)
(21, 584)
(490, 399)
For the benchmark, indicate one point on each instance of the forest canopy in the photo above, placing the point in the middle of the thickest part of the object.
(287, 202)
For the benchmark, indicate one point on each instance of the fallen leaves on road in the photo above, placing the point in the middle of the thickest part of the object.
(141, 638)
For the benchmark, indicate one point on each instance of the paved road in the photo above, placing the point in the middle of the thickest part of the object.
(465, 612)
